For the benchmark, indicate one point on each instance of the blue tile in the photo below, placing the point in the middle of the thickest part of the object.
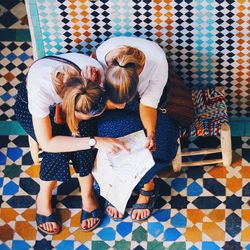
(124, 228)
(65, 244)
(20, 244)
(24, 57)
(179, 220)
(11, 56)
(2, 159)
(179, 184)
(233, 202)
(155, 228)
(10, 188)
(162, 214)
(4, 247)
(172, 234)
(105, 221)
(210, 246)
(6, 96)
(248, 247)
(107, 234)
(14, 153)
(233, 224)
(206, 202)
(193, 248)
(214, 187)
(1, 182)
(82, 247)
(194, 189)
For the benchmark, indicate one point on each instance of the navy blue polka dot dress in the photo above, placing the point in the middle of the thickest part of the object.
(55, 166)
(120, 122)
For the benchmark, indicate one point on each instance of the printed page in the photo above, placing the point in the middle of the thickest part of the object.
(118, 174)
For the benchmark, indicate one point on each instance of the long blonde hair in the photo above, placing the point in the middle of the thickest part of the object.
(121, 77)
(79, 96)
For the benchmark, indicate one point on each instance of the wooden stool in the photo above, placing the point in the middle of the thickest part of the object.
(211, 120)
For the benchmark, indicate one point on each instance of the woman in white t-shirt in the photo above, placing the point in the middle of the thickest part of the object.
(73, 81)
(136, 74)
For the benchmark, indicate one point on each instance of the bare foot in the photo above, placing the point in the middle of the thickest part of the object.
(89, 204)
(43, 204)
(113, 212)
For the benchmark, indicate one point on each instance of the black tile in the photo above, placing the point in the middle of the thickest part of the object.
(27, 159)
(72, 201)
(232, 245)
(21, 141)
(4, 140)
(233, 202)
(9, 4)
(206, 202)
(8, 19)
(178, 202)
(214, 187)
(29, 186)
(21, 201)
(43, 245)
(68, 187)
(233, 224)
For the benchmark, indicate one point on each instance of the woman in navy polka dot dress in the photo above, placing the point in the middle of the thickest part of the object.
(72, 81)
(136, 74)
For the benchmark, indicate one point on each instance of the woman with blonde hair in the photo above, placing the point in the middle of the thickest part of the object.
(136, 74)
(72, 81)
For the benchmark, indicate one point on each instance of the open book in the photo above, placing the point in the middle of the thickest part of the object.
(118, 174)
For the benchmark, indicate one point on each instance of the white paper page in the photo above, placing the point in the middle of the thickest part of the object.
(118, 174)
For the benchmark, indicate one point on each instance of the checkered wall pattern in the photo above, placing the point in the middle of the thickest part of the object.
(208, 41)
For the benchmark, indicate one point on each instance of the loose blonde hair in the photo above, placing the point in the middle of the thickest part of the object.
(122, 77)
(79, 96)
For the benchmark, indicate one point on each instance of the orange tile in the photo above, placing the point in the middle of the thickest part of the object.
(245, 214)
(218, 172)
(193, 234)
(25, 230)
(234, 184)
(29, 214)
(64, 234)
(83, 236)
(245, 172)
(195, 215)
(8, 214)
(245, 234)
(213, 231)
(33, 171)
(217, 215)
(6, 233)
(75, 220)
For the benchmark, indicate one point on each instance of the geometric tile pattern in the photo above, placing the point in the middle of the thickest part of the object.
(207, 41)
(203, 208)
(15, 57)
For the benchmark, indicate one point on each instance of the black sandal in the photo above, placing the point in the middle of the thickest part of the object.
(108, 204)
(41, 219)
(151, 203)
(97, 213)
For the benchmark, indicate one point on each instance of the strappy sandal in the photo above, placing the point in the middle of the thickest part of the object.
(108, 204)
(97, 213)
(153, 194)
(41, 219)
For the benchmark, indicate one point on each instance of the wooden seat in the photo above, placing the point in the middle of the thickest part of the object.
(211, 120)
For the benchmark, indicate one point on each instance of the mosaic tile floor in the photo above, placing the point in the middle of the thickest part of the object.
(203, 208)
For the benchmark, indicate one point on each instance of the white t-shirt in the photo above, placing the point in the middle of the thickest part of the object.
(154, 75)
(41, 91)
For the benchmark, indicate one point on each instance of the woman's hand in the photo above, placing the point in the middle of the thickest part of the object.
(150, 142)
(110, 145)
(91, 73)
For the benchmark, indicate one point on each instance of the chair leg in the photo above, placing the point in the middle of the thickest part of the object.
(177, 161)
(226, 145)
(34, 150)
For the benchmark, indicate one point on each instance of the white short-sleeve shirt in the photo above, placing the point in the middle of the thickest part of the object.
(154, 75)
(40, 88)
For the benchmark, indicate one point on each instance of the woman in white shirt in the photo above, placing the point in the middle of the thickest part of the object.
(136, 67)
(63, 80)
